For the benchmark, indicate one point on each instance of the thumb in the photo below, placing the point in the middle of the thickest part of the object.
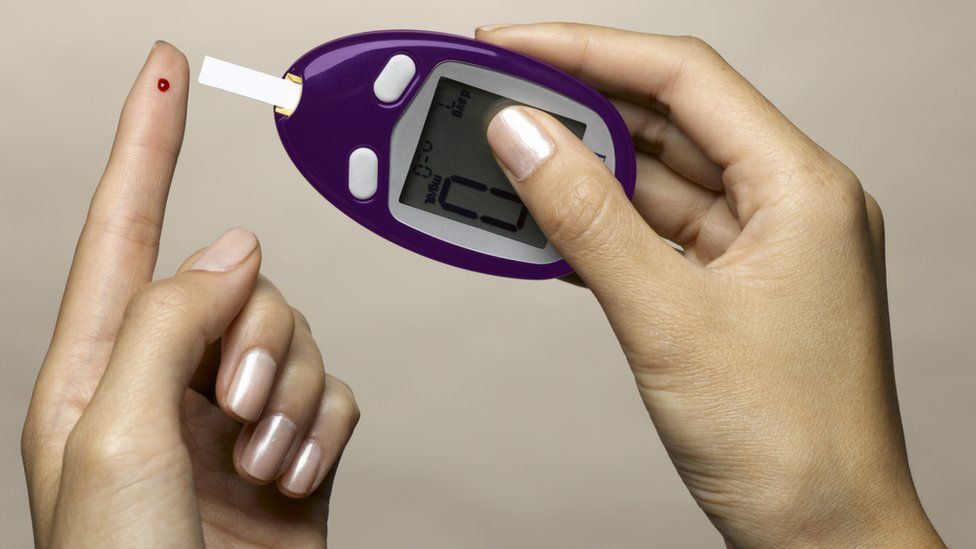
(580, 206)
(119, 460)
(168, 325)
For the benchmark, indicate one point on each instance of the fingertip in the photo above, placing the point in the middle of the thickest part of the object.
(154, 115)
(524, 139)
(320, 451)
(519, 141)
(228, 252)
(306, 471)
(264, 448)
(249, 384)
(574, 197)
(484, 30)
(527, 36)
(240, 447)
(168, 54)
(166, 72)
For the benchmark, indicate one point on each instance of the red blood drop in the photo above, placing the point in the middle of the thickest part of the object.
(163, 84)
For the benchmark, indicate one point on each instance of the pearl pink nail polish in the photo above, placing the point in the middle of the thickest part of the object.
(268, 447)
(251, 384)
(303, 474)
(227, 252)
(518, 141)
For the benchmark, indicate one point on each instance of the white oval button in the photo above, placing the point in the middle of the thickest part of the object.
(363, 172)
(394, 78)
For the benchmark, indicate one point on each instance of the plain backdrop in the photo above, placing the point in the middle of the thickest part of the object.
(496, 413)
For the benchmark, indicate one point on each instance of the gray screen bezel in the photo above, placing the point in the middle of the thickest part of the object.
(407, 131)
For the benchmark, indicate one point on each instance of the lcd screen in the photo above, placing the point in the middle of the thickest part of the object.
(453, 173)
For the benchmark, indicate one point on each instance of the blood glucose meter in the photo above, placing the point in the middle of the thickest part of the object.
(390, 127)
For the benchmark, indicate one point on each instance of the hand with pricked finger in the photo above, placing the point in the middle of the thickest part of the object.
(761, 349)
(189, 410)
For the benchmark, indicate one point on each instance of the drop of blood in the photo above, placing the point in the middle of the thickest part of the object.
(163, 84)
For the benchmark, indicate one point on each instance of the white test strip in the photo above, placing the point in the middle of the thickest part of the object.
(250, 83)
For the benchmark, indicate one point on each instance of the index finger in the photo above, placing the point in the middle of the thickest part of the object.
(118, 245)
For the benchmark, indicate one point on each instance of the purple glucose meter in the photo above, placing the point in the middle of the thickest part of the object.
(391, 127)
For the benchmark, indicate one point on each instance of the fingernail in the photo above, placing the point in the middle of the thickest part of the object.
(518, 141)
(227, 252)
(251, 385)
(486, 28)
(156, 44)
(303, 474)
(268, 447)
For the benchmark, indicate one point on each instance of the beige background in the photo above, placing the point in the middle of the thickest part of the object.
(496, 412)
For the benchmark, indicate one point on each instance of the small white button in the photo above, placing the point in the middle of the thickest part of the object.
(363, 172)
(394, 78)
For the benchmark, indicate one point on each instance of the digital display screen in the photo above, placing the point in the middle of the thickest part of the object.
(453, 173)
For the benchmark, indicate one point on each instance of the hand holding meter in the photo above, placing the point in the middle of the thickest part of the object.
(390, 128)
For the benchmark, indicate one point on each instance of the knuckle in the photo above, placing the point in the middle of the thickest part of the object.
(564, 27)
(301, 379)
(845, 177)
(271, 308)
(826, 187)
(120, 453)
(697, 46)
(578, 215)
(264, 303)
(654, 131)
(133, 227)
(345, 403)
(316, 377)
(307, 372)
(875, 215)
(95, 450)
(847, 193)
(158, 299)
(814, 162)
(267, 289)
(341, 387)
(300, 319)
(28, 442)
(349, 409)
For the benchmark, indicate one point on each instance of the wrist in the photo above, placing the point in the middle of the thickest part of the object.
(894, 521)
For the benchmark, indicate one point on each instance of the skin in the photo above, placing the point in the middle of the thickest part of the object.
(130, 439)
(762, 351)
